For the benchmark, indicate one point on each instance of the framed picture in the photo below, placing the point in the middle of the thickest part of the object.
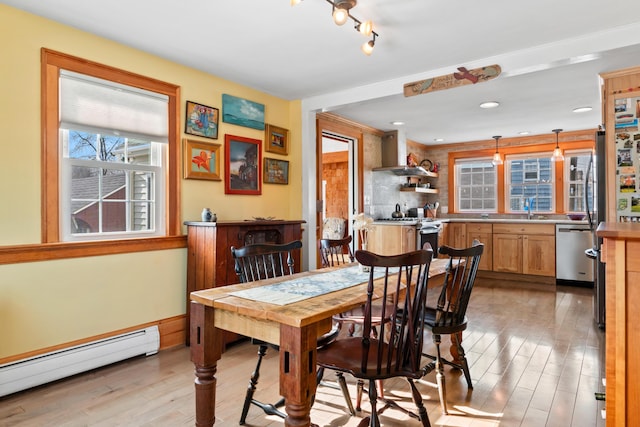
(276, 171)
(243, 161)
(242, 112)
(276, 139)
(201, 120)
(201, 160)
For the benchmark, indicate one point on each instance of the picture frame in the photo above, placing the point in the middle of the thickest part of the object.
(276, 171)
(201, 120)
(201, 160)
(242, 112)
(243, 164)
(276, 139)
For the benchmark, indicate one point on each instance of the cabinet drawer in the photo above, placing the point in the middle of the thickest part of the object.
(475, 227)
(522, 228)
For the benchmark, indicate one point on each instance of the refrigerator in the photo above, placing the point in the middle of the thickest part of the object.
(595, 200)
(627, 178)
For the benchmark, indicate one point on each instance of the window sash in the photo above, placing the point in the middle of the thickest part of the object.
(474, 192)
(155, 200)
(533, 184)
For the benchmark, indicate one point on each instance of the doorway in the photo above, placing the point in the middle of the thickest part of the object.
(339, 175)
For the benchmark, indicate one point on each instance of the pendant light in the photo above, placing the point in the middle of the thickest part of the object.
(557, 152)
(497, 159)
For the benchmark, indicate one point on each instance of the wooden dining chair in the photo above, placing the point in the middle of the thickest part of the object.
(397, 350)
(263, 261)
(449, 315)
(335, 252)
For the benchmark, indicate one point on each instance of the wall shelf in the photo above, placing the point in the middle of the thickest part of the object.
(420, 190)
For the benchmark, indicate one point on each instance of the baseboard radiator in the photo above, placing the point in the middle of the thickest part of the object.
(31, 372)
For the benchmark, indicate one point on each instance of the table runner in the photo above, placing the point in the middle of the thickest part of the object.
(302, 288)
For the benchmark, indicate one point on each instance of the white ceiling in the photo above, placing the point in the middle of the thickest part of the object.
(550, 52)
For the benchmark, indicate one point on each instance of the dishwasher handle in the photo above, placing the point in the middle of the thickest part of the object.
(571, 230)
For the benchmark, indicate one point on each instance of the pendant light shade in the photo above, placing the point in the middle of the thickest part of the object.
(557, 152)
(497, 159)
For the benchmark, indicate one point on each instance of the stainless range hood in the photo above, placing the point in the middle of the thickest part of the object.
(394, 156)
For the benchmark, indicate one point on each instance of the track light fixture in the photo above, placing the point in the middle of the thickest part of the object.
(341, 14)
(497, 159)
(557, 152)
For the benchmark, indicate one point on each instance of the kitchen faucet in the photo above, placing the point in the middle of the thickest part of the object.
(528, 205)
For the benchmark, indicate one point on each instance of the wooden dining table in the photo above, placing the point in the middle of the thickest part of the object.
(295, 327)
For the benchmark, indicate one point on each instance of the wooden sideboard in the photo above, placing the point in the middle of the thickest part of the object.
(209, 260)
(621, 254)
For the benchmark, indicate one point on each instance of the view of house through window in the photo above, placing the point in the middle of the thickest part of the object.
(476, 188)
(113, 182)
(530, 183)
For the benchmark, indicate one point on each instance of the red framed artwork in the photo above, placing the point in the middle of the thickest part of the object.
(243, 165)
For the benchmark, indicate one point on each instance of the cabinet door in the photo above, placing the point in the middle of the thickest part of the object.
(507, 253)
(486, 261)
(408, 238)
(387, 239)
(457, 237)
(539, 255)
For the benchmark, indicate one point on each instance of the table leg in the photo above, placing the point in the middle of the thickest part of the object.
(298, 372)
(206, 350)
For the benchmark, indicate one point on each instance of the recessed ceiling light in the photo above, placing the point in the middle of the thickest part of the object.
(397, 123)
(524, 132)
(438, 139)
(489, 104)
(582, 109)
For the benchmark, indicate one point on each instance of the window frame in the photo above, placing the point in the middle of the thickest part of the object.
(52, 62)
(528, 181)
(461, 161)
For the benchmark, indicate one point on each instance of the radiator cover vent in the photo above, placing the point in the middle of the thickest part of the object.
(31, 372)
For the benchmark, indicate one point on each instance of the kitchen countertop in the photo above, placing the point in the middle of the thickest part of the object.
(516, 220)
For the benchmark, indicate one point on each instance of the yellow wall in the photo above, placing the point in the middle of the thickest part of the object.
(49, 303)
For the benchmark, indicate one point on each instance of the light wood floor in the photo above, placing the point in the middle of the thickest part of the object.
(536, 360)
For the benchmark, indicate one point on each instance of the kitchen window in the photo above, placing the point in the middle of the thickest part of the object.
(476, 189)
(576, 165)
(530, 183)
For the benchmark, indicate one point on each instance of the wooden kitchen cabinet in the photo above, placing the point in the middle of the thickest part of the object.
(620, 251)
(391, 239)
(457, 235)
(483, 232)
(524, 248)
(507, 253)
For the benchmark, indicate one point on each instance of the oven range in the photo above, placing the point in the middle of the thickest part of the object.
(427, 230)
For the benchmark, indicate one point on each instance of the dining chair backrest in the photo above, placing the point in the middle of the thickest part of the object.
(398, 350)
(334, 252)
(264, 260)
(458, 283)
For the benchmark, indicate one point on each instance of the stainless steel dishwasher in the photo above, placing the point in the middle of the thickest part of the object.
(571, 263)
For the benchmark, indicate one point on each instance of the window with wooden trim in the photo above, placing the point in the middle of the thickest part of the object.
(111, 152)
(476, 185)
(530, 183)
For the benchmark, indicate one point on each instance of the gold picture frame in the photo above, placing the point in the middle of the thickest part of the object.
(201, 160)
(275, 171)
(276, 139)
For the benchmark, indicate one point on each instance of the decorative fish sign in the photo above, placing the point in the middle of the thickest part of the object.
(461, 78)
